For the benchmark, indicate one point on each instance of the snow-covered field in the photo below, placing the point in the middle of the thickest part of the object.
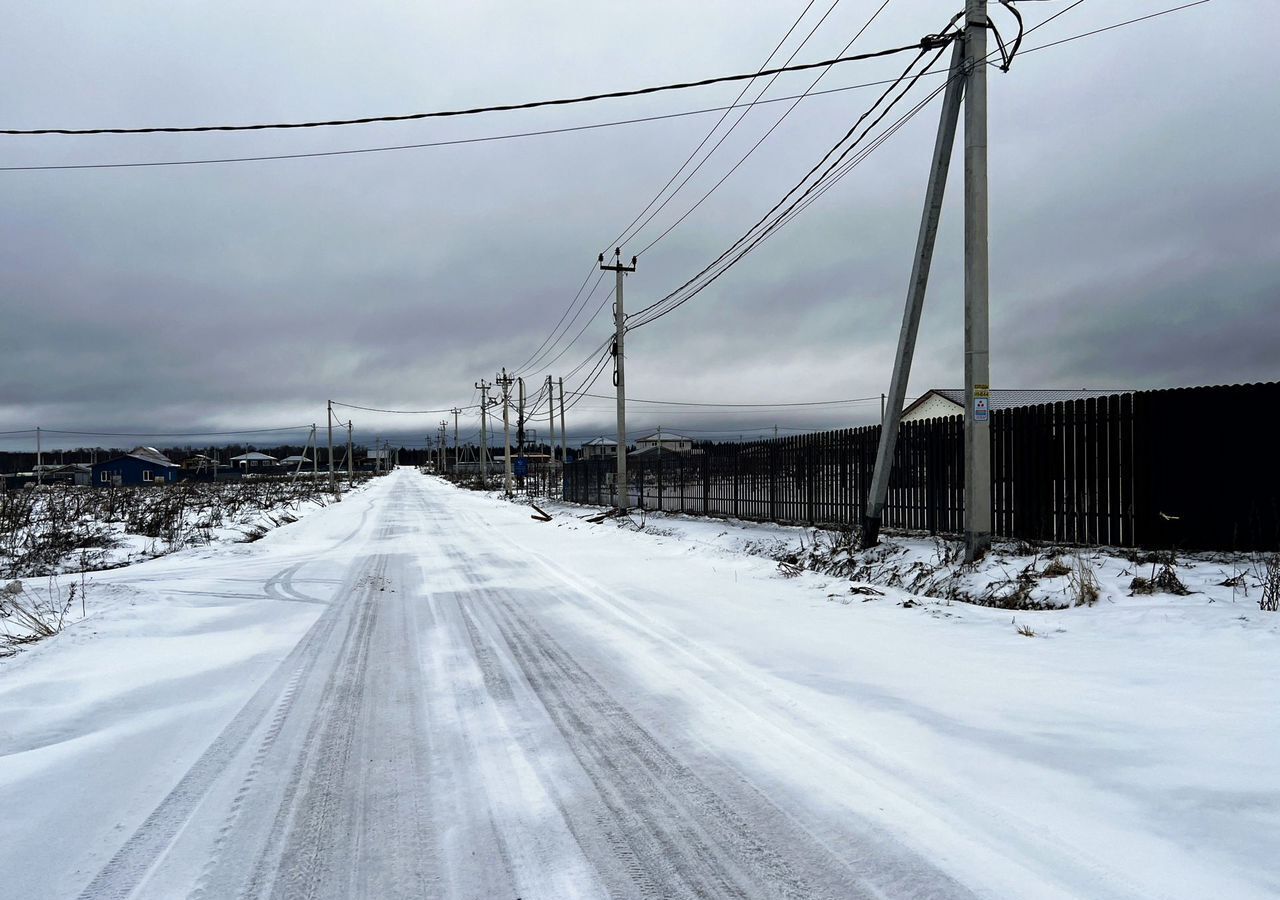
(421, 692)
(52, 535)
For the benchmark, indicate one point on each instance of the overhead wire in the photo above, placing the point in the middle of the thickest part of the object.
(471, 111)
(558, 335)
(673, 299)
(556, 327)
(401, 412)
(621, 238)
(571, 128)
(759, 141)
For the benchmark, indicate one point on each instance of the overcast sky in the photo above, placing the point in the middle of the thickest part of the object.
(1135, 238)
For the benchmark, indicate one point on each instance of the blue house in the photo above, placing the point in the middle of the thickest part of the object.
(142, 465)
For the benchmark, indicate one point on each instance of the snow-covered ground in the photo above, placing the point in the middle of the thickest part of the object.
(421, 692)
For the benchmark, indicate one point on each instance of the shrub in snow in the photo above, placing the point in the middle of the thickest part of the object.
(1270, 600)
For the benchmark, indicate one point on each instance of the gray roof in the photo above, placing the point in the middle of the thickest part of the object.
(600, 442)
(255, 455)
(665, 435)
(1009, 398)
(151, 455)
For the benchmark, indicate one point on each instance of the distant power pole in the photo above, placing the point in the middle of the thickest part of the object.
(619, 372)
(504, 381)
(333, 485)
(39, 459)
(551, 421)
(520, 419)
(483, 387)
(455, 412)
(977, 335)
(351, 463)
(564, 433)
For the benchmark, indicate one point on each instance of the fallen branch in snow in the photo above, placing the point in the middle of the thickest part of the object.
(542, 515)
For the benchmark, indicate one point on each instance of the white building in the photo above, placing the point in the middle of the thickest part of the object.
(668, 440)
(940, 403)
(253, 460)
(600, 448)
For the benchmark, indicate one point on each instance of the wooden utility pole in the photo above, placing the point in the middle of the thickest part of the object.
(622, 495)
(891, 406)
(504, 381)
(977, 335)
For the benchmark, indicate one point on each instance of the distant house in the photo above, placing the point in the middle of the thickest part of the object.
(667, 440)
(939, 403)
(199, 463)
(254, 460)
(142, 465)
(295, 460)
(71, 473)
(600, 448)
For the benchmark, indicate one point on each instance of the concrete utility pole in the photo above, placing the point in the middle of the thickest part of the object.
(622, 495)
(551, 422)
(444, 430)
(456, 413)
(504, 381)
(564, 434)
(351, 463)
(977, 335)
(483, 387)
(333, 483)
(891, 407)
(39, 459)
(520, 420)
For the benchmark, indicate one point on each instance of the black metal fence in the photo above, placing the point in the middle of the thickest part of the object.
(1194, 468)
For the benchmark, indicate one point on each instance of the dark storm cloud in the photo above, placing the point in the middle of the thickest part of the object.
(1134, 234)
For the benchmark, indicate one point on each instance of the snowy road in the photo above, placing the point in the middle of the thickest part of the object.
(407, 695)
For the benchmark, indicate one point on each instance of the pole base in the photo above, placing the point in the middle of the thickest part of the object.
(870, 531)
(976, 545)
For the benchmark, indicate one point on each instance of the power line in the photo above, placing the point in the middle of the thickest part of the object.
(402, 412)
(623, 237)
(742, 405)
(1076, 37)
(566, 129)
(221, 160)
(764, 137)
(668, 303)
(173, 433)
(475, 110)
(533, 357)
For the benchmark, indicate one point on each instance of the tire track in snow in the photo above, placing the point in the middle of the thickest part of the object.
(128, 868)
(677, 837)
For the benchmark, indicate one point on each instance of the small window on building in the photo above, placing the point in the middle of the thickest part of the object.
(104, 476)
(147, 475)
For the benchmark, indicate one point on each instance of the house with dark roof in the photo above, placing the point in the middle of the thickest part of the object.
(939, 403)
(141, 465)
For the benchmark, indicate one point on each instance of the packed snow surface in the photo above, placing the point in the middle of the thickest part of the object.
(422, 692)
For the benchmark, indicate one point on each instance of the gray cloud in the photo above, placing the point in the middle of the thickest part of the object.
(1133, 241)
